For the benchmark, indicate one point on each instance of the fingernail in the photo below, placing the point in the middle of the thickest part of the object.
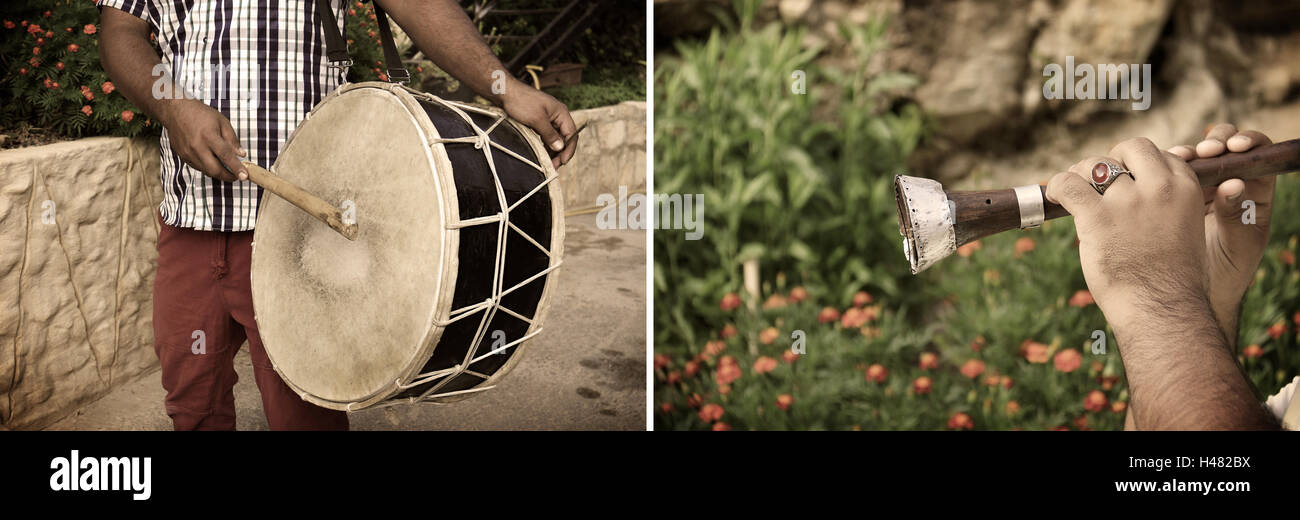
(242, 152)
(557, 145)
(243, 176)
(1239, 141)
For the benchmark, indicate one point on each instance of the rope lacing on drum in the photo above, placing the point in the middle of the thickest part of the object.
(491, 305)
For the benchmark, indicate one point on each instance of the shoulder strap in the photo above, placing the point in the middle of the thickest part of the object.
(336, 46)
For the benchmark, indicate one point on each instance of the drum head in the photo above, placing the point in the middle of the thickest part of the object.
(343, 320)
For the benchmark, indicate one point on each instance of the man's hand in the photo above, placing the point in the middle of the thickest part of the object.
(1142, 249)
(1233, 248)
(545, 115)
(204, 139)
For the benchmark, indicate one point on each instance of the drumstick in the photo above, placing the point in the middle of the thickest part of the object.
(313, 205)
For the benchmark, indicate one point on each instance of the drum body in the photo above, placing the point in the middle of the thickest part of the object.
(460, 233)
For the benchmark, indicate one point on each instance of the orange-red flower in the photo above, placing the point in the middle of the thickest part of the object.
(730, 301)
(661, 361)
(728, 331)
(1286, 256)
(666, 407)
(853, 318)
(764, 364)
(861, 298)
(87, 110)
(128, 115)
(727, 371)
(922, 385)
(1081, 422)
(1275, 330)
(784, 401)
(674, 377)
(960, 421)
(828, 315)
(768, 335)
(798, 294)
(1252, 351)
(1034, 351)
(969, 249)
(721, 427)
(72, 47)
(1082, 298)
(692, 368)
(978, 343)
(1068, 360)
(774, 301)
(1007, 382)
(1013, 407)
(715, 347)
(1296, 319)
(1107, 382)
(789, 356)
(108, 87)
(929, 361)
(972, 368)
(89, 29)
(1024, 245)
(1118, 406)
(1095, 401)
(877, 373)
(694, 401)
(711, 412)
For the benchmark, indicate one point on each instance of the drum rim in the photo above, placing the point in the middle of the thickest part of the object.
(449, 213)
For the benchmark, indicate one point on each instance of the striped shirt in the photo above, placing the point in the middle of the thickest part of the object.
(262, 64)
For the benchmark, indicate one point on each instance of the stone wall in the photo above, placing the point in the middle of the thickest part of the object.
(611, 153)
(77, 249)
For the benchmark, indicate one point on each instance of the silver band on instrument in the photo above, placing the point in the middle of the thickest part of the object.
(1030, 199)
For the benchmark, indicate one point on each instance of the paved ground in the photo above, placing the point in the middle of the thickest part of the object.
(585, 371)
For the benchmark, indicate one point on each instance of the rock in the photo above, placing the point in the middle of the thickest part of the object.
(611, 153)
(80, 217)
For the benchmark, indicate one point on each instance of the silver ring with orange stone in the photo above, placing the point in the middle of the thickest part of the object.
(1104, 174)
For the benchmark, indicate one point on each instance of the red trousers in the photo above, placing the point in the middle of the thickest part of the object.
(202, 313)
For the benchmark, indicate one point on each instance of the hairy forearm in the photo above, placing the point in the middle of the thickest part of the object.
(442, 31)
(130, 61)
(1182, 373)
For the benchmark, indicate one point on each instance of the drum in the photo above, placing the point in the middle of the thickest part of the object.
(460, 233)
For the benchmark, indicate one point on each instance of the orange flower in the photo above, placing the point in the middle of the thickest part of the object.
(1034, 351)
(922, 385)
(1107, 382)
(1013, 408)
(993, 379)
(1068, 360)
(978, 343)
(666, 407)
(798, 294)
(929, 361)
(784, 401)
(764, 364)
(1296, 318)
(711, 412)
(960, 421)
(969, 249)
(861, 298)
(128, 115)
(89, 29)
(727, 371)
(72, 47)
(768, 335)
(730, 301)
(877, 373)
(108, 87)
(692, 368)
(661, 361)
(694, 401)
(1007, 382)
(972, 368)
(1118, 406)
(1286, 256)
(1024, 245)
(1276, 330)
(728, 331)
(1082, 298)
(674, 377)
(1252, 351)
(828, 315)
(1095, 401)
(721, 427)
(87, 110)
(789, 356)
(774, 301)
(1081, 422)
(715, 347)
(854, 317)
